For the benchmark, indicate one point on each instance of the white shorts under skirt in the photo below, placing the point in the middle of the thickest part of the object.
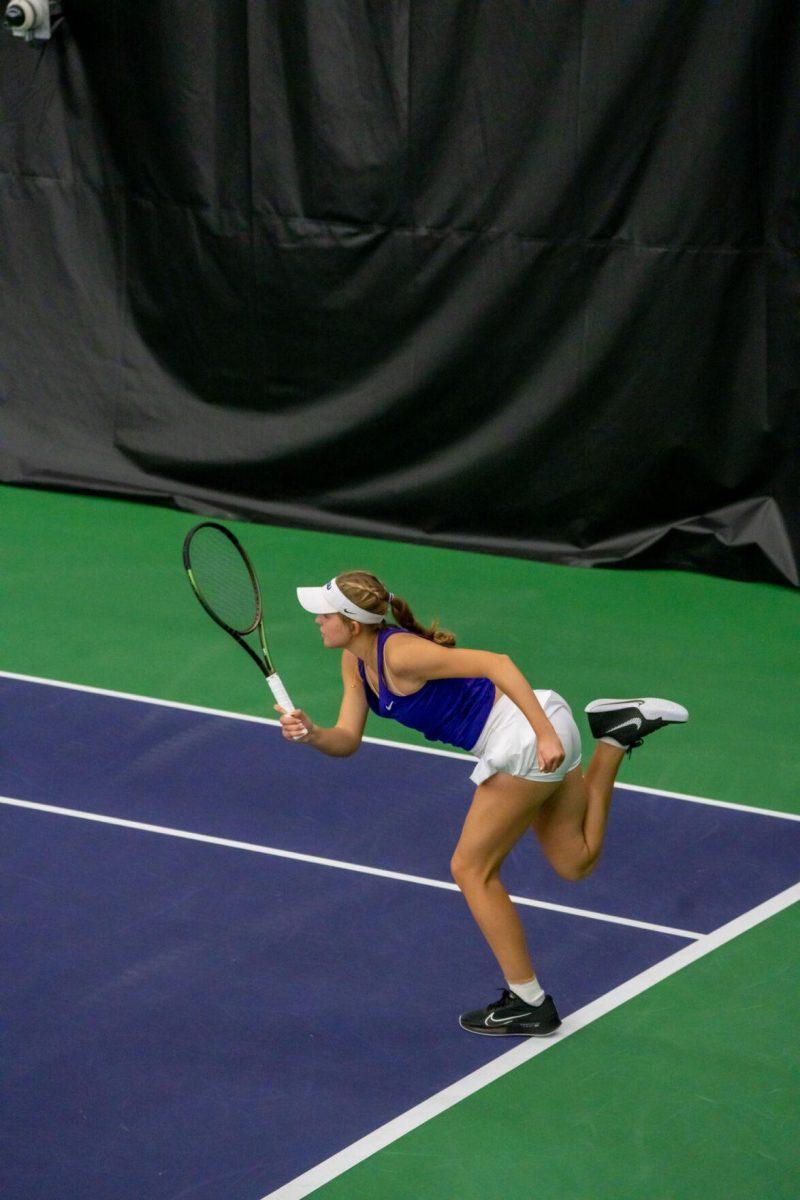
(507, 742)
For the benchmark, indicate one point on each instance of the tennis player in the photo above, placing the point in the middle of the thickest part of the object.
(528, 773)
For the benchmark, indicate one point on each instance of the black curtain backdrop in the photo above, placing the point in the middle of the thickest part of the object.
(513, 276)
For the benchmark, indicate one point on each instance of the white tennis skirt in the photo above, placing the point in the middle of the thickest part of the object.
(508, 743)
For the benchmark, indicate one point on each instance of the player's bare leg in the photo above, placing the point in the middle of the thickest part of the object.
(500, 814)
(569, 819)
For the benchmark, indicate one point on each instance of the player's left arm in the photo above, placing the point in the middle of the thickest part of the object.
(416, 659)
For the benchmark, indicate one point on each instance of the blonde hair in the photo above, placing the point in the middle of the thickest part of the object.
(369, 593)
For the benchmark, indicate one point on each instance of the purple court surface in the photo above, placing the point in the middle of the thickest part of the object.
(186, 1018)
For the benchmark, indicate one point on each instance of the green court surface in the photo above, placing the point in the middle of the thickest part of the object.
(689, 1089)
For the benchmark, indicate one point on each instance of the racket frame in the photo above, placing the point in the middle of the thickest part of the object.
(265, 663)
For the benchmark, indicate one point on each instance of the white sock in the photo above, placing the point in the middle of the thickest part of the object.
(609, 741)
(531, 992)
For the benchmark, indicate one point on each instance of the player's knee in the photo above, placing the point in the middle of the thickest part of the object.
(458, 867)
(570, 873)
(466, 870)
(573, 872)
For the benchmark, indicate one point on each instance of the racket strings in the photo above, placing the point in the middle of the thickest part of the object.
(222, 579)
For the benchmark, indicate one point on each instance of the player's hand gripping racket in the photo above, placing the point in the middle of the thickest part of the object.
(223, 580)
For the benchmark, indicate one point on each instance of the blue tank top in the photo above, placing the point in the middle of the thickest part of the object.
(445, 710)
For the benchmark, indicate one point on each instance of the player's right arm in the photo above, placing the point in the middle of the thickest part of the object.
(344, 738)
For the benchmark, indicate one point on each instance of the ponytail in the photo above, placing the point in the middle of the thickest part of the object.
(405, 618)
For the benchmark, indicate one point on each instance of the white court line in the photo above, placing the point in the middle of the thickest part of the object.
(325, 1171)
(235, 716)
(316, 860)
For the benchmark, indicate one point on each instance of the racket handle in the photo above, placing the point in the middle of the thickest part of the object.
(280, 693)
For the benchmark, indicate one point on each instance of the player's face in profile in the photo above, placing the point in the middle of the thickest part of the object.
(336, 631)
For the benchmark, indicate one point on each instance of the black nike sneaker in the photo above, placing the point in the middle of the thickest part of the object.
(511, 1017)
(629, 721)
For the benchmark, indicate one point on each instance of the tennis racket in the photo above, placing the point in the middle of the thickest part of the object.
(225, 583)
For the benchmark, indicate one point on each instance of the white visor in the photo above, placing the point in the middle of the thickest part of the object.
(330, 599)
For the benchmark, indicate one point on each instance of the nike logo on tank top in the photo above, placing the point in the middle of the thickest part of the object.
(444, 710)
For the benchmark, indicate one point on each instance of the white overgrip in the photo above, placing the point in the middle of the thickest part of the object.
(281, 695)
